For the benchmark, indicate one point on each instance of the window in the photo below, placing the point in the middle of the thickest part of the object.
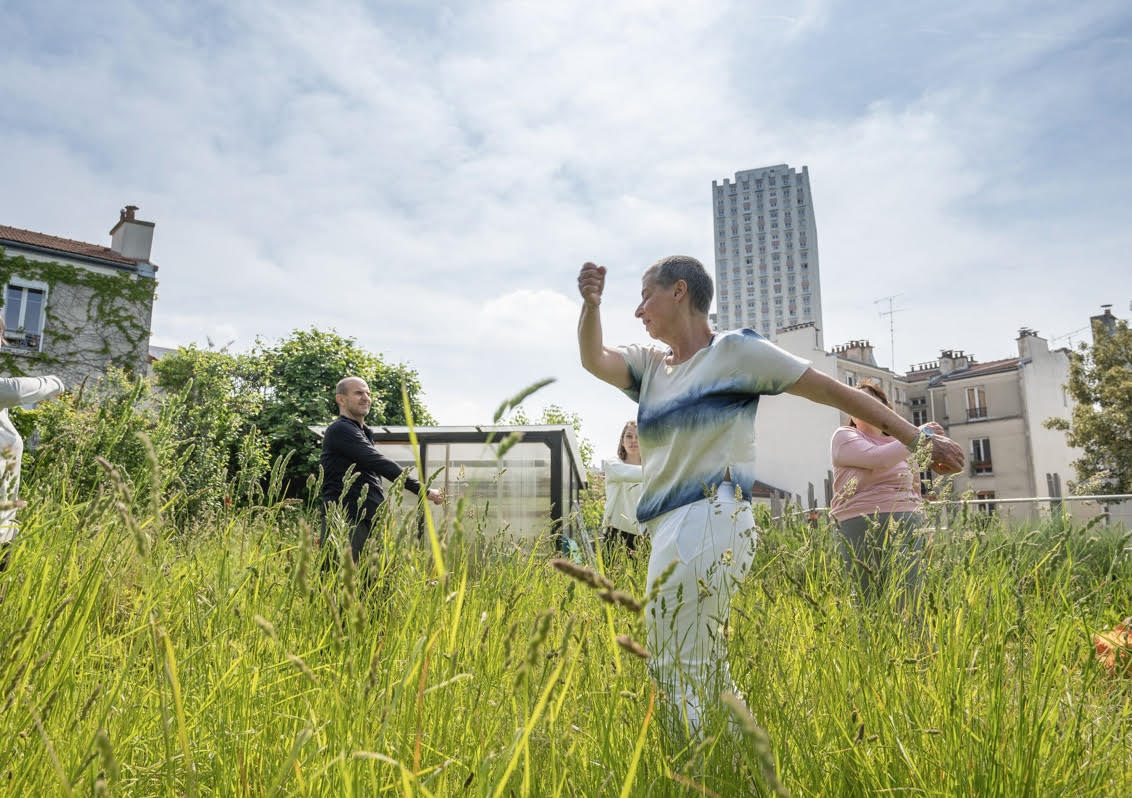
(985, 507)
(850, 379)
(919, 410)
(25, 307)
(981, 457)
(976, 403)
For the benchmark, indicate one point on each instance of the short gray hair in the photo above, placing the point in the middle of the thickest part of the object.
(666, 271)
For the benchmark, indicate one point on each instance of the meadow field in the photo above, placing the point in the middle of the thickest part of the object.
(215, 657)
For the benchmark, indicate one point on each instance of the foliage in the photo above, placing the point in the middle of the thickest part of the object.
(212, 400)
(216, 421)
(554, 414)
(189, 434)
(1100, 382)
(120, 302)
(103, 419)
(299, 375)
(227, 663)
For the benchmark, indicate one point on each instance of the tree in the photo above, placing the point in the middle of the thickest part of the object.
(1100, 382)
(553, 414)
(299, 375)
(214, 397)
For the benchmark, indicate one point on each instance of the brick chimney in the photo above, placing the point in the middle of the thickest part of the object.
(953, 360)
(1106, 320)
(131, 237)
(858, 351)
(1030, 344)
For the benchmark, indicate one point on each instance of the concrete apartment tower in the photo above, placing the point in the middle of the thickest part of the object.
(766, 251)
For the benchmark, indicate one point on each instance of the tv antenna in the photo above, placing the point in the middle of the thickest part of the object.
(891, 313)
(1069, 335)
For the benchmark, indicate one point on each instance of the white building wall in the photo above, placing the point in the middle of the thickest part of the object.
(792, 434)
(1043, 377)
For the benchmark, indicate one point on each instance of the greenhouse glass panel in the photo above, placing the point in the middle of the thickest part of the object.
(528, 491)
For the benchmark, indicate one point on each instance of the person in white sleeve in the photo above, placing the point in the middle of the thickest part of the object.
(15, 391)
(622, 491)
(697, 399)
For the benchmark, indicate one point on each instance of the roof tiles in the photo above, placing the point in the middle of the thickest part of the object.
(65, 245)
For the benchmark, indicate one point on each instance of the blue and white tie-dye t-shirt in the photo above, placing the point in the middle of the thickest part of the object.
(696, 420)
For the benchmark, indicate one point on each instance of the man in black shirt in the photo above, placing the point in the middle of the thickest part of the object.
(348, 442)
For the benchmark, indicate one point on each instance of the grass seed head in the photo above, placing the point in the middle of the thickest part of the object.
(266, 626)
(302, 665)
(585, 575)
(632, 646)
(761, 740)
(621, 599)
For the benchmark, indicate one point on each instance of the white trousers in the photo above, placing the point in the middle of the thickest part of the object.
(712, 542)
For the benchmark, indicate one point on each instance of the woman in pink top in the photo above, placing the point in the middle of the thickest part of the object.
(877, 504)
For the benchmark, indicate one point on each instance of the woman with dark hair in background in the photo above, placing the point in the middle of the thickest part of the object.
(623, 491)
(877, 504)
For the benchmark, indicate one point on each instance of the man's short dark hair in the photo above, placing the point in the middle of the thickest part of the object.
(666, 271)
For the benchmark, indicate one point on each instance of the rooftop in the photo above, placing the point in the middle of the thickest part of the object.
(930, 371)
(68, 246)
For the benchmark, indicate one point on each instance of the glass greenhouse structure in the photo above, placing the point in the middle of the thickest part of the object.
(521, 481)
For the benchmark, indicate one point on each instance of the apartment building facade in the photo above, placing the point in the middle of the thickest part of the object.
(994, 410)
(766, 254)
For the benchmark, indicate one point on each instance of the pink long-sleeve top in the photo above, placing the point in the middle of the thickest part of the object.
(871, 475)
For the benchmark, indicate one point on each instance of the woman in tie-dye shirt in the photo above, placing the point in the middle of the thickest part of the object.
(697, 398)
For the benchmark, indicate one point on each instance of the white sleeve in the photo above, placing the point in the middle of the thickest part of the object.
(768, 368)
(16, 391)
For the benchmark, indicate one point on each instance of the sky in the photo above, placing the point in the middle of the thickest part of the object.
(427, 178)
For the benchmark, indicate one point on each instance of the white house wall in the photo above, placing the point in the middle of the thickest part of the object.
(792, 434)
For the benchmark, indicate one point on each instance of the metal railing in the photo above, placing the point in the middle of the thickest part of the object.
(1055, 505)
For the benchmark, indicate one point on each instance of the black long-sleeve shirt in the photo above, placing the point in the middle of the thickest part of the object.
(346, 443)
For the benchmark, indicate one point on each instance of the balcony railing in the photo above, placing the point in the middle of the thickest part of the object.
(981, 467)
(20, 340)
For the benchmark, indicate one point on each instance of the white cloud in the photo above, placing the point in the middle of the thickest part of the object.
(430, 181)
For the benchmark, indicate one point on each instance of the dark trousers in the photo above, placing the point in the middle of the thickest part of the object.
(359, 534)
(614, 536)
(882, 546)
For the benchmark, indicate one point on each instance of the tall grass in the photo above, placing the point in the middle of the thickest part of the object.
(142, 658)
